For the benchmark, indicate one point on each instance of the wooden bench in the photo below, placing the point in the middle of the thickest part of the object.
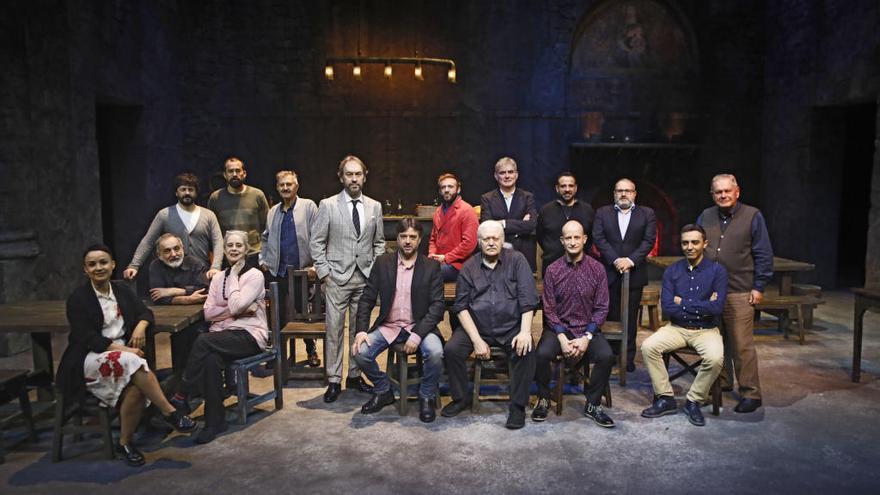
(789, 307)
(807, 290)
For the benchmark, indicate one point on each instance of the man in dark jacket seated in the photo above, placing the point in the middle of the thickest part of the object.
(410, 290)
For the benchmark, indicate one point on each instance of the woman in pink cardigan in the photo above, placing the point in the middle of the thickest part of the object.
(236, 308)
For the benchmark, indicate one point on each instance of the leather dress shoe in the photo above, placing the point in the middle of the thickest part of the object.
(314, 360)
(427, 409)
(454, 407)
(695, 416)
(747, 405)
(131, 455)
(662, 406)
(516, 418)
(209, 433)
(377, 402)
(332, 393)
(180, 421)
(358, 383)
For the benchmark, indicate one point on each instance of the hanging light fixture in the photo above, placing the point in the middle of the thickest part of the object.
(450, 74)
(356, 71)
(388, 71)
(418, 72)
(328, 72)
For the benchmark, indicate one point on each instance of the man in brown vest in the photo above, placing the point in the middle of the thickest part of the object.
(738, 239)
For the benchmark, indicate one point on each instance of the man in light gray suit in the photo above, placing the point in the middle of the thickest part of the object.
(286, 242)
(346, 238)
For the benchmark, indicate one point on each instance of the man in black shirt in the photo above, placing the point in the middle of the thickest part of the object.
(495, 300)
(176, 278)
(554, 214)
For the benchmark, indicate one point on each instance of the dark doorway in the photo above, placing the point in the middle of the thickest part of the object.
(117, 128)
(859, 133)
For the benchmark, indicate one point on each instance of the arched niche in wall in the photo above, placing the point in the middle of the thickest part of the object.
(634, 73)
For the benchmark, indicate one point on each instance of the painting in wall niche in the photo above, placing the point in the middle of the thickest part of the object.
(634, 35)
(634, 64)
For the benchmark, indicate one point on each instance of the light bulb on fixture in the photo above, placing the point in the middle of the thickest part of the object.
(418, 72)
(388, 71)
(450, 74)
(356, 71)
(328, 72)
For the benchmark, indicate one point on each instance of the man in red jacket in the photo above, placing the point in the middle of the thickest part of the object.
(454, 235)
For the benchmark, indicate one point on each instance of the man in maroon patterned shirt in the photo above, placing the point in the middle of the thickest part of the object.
(575, 306)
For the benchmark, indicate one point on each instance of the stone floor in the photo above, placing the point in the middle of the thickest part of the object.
(817, 433)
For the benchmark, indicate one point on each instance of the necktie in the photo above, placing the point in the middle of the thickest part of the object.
(355, 216)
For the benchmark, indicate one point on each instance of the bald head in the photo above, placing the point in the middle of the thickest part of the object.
(573, 240)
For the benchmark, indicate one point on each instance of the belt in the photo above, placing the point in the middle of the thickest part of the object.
(695, 328)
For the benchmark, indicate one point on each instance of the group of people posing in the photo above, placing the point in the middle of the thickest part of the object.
(492, 258)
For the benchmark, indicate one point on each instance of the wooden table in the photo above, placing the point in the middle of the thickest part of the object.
(865, 299)
(41, 319)
(783, 267)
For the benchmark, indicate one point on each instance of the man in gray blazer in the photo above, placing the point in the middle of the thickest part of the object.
(286, 241)
(347, 236)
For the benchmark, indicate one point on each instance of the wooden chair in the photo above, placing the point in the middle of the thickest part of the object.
(270, 357)
(574, 369)
(304, 320)
(69, 421)
(402, 372)
(692, 368)
(500, 378)
(13, 385)
(615, 331)
(650, 304)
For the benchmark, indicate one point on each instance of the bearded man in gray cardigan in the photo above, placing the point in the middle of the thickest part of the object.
(196, 227)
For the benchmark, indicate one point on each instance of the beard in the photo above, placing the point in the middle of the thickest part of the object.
(624, 204)
(174, 264)
(235, 182)
(186, 200)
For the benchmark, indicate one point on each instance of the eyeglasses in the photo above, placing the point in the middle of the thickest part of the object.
(622, 191)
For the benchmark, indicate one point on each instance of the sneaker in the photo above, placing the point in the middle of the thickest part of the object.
(597, 414)
(662, 406)
(516, 418)
(695, 416)
(539, 413)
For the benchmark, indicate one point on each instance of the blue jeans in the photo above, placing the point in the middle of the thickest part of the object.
(448, 272)
(431, 348)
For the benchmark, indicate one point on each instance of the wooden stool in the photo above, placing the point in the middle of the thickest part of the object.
(807, 290)
(304, 320)
(692, 368)
(498, 354)
(560, 381)
(788, 306)
(69, 420)
(402, 373)
(651, 304)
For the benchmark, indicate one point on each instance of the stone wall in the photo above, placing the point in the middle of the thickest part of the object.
(214, 78)
(819, 53)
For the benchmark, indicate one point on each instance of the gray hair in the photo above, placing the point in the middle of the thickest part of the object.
(505, 160)
(166, 235)
(490, 225)
(238, 233)
(730, 177)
